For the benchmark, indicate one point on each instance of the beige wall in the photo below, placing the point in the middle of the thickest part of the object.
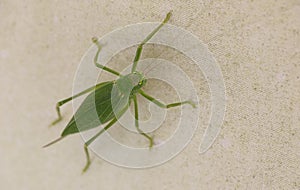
(256, 44)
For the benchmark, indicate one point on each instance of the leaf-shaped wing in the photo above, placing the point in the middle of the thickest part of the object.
(96, 109)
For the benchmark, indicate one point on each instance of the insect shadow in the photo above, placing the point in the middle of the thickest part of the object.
(111, 99)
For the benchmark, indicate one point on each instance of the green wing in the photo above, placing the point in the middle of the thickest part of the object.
(96, 109)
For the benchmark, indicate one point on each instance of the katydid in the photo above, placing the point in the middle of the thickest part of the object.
(111, 99)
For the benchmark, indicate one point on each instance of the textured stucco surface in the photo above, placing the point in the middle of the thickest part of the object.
(256, 44)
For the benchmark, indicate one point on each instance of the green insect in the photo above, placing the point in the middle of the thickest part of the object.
(111, 99)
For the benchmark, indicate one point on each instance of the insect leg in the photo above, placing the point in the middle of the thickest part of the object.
(95, 40)
(140, 47)
(88, 159)
(162, 105)
(62, 102)
(136, 114)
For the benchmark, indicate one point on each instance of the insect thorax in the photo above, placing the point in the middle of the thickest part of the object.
(131, 82)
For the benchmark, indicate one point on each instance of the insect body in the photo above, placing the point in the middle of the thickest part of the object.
(111, 99)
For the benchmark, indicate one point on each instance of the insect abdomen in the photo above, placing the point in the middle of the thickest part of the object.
(96, 109)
